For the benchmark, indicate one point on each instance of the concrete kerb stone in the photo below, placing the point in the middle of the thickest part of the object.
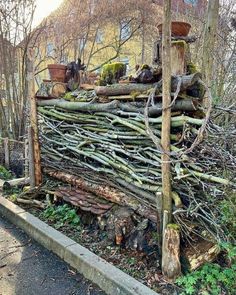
(109, 278)
(9, 209)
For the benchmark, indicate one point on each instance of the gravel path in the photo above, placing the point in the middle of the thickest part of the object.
(26, 268)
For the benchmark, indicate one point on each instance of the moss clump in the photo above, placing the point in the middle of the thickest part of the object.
(173, 226)
(192, 68)
(180, 43)
(134, 94)
(145, 67)
(69, 96)
(111, 73)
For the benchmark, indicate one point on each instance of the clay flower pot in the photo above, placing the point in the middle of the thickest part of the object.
(177, 29)
(57, 72)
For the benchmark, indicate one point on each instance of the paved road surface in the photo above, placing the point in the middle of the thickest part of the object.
(26, 268)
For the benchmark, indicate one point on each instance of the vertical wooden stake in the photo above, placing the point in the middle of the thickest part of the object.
(166, 125)
(31, 158)
(26, 156)
(35, 148)
(209, 40)
(7, 152)
(166, 113)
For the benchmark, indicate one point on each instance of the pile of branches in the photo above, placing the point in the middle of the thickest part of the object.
(114, 145)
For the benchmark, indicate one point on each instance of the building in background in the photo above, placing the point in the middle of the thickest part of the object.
(100, 31)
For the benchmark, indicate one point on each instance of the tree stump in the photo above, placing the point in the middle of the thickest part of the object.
(171, 267)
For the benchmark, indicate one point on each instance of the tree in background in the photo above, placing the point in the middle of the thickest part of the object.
(15, 25)
(102, 28)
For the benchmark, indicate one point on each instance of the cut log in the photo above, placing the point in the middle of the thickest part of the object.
(109, 193)
(79, 106)
(120, 225)
(51, 89)
(87, 86)
(1, 184)
(15, 182)
(171, 267)
(34, 203)
(116, 106)
(200, 253)
(124, 89)
(188, 105)
(145, 97)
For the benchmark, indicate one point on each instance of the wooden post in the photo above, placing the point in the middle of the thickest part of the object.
(26, 156)
(209, 40)
(166, 113)
(33, 138)
(170, 237)
(31, 158)
(36, 147)
(7, 152)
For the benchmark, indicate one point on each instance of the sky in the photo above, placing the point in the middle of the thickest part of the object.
(44, 8)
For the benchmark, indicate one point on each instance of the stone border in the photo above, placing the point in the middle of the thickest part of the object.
(109, 278)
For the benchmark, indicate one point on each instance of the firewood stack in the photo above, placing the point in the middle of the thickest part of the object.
(106, 143)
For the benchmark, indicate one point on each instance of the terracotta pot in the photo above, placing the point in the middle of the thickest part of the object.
(177, 29)
(57, 72)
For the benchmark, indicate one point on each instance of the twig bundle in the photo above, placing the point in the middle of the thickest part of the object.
(112, 146)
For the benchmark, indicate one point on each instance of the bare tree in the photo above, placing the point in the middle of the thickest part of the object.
(15, 33)
(80, 26)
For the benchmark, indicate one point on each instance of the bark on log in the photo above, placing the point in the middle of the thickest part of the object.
(115, 105)
(78, 106)
(86, 201)
(188, 105)
(171, 267)
(106, 192)
(124, 89)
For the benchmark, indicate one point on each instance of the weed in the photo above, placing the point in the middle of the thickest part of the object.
(61, 215)
(228, 216)
(4, 173)
(212, 279)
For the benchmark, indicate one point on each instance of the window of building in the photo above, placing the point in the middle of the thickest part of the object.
(50, 50)
(125, 60)
(191, 2)
(99, 36)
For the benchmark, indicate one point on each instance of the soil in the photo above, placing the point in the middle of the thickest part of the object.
(145, 267)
